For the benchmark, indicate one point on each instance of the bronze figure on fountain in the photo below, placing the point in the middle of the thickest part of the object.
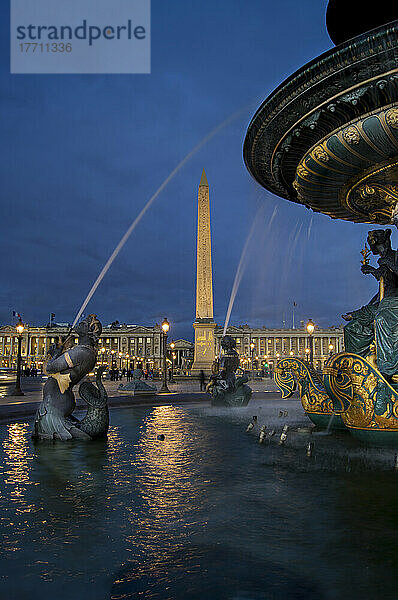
(378, 320)
(67, 365)
(225, 388)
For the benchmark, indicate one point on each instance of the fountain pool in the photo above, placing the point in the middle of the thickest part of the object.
(206, 513)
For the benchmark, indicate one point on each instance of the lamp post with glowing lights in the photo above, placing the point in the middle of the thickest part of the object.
(310, 330)
(330, 349)
(20, 329)
(172, 346)
(252, 346)
(165, 329)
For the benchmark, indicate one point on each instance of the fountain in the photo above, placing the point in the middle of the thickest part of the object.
(327, 138)
(318, 406)
(66, 366)
(137, 387)
(225, 388)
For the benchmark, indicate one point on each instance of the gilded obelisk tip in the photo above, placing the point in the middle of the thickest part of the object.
(203, 179)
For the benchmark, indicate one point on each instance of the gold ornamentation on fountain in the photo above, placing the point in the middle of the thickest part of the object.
(351, 135)
(302, 171)
(378, 200)
(370, 402)
(374, 193)
(297, 187)
(365, 191)
(319, 153)
(392, 118)
(335, 178)
(365, 253)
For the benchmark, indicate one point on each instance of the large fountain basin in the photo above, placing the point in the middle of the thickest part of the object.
(207, 512)
(289, 136)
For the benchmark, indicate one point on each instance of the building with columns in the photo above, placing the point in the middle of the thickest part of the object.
(269, 345)
(120, 345)
(127, 345)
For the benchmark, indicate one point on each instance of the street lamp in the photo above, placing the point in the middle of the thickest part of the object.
(20, 329)
(330, 349)
(310, 330)
(252, 346)
(102, 355)
(172, 346)
(165, 328)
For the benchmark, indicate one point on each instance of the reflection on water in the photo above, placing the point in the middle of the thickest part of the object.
(16, 449)
(207, 512)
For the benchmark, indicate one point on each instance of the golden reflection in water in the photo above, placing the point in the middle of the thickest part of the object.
(166, 468)
(170, 485)
(118, 463)
(14, 467)
(15, 478)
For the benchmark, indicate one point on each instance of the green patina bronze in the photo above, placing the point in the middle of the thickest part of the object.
(327, 138)
(378, 320)
(366, 401)
(295, 372)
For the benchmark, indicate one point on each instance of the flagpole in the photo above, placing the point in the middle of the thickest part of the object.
(294, 304)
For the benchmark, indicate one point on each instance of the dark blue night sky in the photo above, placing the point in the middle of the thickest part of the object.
(82, 154)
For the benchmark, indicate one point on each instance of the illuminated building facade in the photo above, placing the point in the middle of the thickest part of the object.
(269, 345)
(120, 346)
(125, 345)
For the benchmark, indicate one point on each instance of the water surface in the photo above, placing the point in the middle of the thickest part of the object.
(208, 512)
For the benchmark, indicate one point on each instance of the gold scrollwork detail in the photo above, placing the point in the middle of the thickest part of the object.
(369, 401)
(392, 118)
(298, 189)
(319, 153)
(366, 190)
(351, 135)
(302, 171)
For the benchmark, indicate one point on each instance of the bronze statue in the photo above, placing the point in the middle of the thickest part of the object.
(378, 320)
(66, 367)
(227, 389)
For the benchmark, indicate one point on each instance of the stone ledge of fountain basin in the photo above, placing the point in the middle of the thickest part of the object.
(17, 409)
(22, 409)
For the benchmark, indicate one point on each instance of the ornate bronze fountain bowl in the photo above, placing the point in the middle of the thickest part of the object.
(327, 137)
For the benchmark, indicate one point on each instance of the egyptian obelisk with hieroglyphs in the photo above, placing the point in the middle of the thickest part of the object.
(204, 325)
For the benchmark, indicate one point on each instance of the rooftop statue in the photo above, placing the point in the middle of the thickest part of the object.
(67, 366)
(377, 321)
(227, 389)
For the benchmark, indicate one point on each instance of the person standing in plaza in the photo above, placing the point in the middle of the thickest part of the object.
(202, 380)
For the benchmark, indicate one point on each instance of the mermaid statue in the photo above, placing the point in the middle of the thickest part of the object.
(225, 388)
(66, 366)
(377, 322)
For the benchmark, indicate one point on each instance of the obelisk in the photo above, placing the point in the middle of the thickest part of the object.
(204, 325)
